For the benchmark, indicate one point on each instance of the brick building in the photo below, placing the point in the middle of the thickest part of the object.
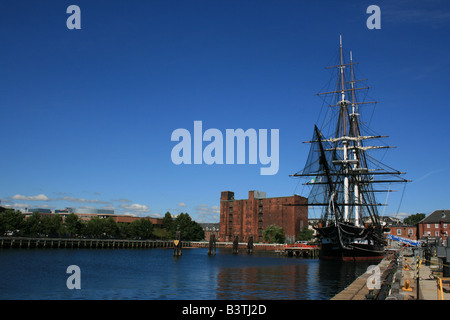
(436, 224)
(406, 231)
(251, 216)
(210, 229)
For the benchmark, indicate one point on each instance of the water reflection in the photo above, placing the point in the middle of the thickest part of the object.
(156, 274)
(287, 278)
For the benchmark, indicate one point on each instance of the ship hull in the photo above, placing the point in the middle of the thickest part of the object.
(350, 243)
(362, 253)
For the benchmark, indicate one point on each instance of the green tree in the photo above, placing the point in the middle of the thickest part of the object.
(189, 229)
(161, 233)
(94, 228)
(51, 225)
(142, 229)
(32, 226)
(73, 225)
(305, 234)
(168, 225)
(273, 234)
(11, 221)
(124, 230)
(110, 228)
(414, 219)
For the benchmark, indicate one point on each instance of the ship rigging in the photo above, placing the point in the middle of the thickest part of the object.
(343, 174)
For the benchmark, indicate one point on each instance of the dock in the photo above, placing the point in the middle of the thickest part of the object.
(401, 274)
(19, 242)
(299, 250)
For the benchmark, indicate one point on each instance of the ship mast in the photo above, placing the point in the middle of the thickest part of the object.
(343, 169)
(354, 121)
(343, 111)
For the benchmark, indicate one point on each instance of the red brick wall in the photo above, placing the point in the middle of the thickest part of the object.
(251, 216)
(404, 231)
(439, 229)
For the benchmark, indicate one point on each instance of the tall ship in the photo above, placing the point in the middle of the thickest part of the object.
(343, 174)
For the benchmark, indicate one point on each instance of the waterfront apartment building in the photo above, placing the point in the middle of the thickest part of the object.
(249, 217)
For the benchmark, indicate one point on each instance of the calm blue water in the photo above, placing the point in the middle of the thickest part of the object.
(155, 274)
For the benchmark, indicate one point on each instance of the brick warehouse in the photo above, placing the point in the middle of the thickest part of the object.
(251, 216)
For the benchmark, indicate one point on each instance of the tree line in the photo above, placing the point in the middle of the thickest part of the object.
(14, 223)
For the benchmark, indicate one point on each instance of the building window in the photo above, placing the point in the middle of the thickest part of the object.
(436, 233)
(436, 226)
(428, 233)
(428, 226)
(410, 232)
(399, 232)
(445, 226)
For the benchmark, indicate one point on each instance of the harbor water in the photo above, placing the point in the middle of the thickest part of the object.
(155, 274)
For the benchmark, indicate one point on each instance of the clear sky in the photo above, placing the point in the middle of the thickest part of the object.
(87, 115)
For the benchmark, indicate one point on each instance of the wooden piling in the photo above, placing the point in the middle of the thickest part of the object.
(212, 245)
(177, 244)
(236, 244)
(250, 244)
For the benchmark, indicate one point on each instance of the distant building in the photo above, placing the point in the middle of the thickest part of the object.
(209, 229)
(42, 211)
(391, 220)
(87, 214)
(39, 210)
(437, 225)
(249, 217)
(406, 231)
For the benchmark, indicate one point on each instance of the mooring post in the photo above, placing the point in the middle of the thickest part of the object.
(177, 244)
(212, 245)
(236, 245)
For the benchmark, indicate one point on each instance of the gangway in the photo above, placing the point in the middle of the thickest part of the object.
(413, 243)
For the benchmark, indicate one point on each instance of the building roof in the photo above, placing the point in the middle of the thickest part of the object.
(437, 216)
(210, 226)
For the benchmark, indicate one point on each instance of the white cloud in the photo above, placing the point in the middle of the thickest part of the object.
(82, 200)
(135, 208)
(181, 204)
(39, 197)
(206, 213)
(123, 200)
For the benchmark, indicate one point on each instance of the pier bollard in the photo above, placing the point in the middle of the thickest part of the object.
(407, 286)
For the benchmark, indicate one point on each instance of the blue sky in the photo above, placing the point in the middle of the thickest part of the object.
(87, 115)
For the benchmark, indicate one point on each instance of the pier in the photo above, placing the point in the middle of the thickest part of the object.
(16, 242)
(239, 247)
(300, 250)
(403, 276)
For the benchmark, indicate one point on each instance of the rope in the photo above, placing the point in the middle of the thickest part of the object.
(440, 264)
